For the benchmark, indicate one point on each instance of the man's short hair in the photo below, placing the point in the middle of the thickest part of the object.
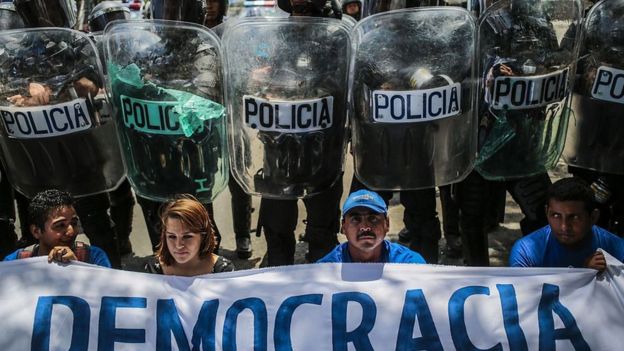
(44, 203)
(572, 189)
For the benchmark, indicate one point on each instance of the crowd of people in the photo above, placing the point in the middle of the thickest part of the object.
(187, 236)
(560, 226)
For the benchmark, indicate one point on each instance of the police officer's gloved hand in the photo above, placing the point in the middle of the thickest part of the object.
(333, 8)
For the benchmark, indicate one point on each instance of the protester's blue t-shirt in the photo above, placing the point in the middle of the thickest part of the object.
(541, 249)
(392, 253)
(96, 256)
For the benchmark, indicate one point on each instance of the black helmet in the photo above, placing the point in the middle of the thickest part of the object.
(357, 15)
(178, 10)
(47, 13)
(223, 6)
(317, 8)
(105, 12)
(9, 18)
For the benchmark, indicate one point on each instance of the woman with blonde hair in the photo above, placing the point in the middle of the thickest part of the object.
(187, 241)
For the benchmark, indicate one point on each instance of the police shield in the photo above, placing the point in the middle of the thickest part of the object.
(595, 136)
(165, 80)
(56, 131)
(413, 122)
(286, 98)
(527, 56)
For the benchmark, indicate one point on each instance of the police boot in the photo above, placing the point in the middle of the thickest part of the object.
(241, 218)
(93, 213)
(26, 239)
(151, 215)
(320, 242)
(426, 242)
(280, 248)
(450, 221)
(277, 220)
(121, 211)
(531, 194)
(471, 195)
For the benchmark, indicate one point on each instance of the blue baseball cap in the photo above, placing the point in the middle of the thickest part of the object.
(364, 198)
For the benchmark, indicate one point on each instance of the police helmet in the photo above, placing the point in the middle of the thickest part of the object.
(176, 10)
(314, 7)
(9, 18)
(105, 12)
(223, 7)
(47, 13)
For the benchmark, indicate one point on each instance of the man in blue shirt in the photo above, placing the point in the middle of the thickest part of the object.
(365, 223)
(53, 222)
(571, 238)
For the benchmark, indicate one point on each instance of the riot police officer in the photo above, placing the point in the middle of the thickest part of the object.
(518, 139)
(209, 13)
(278, 218)
(9, 19)
(93, 209)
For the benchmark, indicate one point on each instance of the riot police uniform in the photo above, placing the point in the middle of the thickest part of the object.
(278, 218)
(9, 19)
(92, 209)
(517, 39)
(198, 12)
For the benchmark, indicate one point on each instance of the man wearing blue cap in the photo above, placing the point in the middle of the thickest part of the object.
(365, 223)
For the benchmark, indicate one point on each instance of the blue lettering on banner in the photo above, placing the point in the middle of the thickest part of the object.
(550, 303)
(609, 85)
(260, 328)
(297, 116)
(167, 323)
(522, 92)
(43, 322)
(204, 330)
(511, 320)
(283, 319)
(46, 121)
(108, 334)
(414, 106)
(170, 327)
(151, 117)
(359, 336)
(459, 334)
(415, 306)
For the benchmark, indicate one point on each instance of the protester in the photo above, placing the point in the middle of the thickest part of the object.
(187, 241)
(571, 237)
(365, 222)
(54, 224)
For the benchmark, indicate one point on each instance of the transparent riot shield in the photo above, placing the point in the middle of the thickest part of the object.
(56, 131)
(166, 85)
(286, 98)
(596, 133)
(527, 56)
(413, 124)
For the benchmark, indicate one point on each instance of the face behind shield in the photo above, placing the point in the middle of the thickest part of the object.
(176, 10)
(106, 12)
(47, 13)
(9, 18)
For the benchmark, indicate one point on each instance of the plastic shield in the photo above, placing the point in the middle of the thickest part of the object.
(56, 130)
(527, 58)
(287, 97)
(166, 84)
(413, 123)
(596, 134)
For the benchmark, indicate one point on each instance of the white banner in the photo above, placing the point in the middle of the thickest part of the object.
(311, 307)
